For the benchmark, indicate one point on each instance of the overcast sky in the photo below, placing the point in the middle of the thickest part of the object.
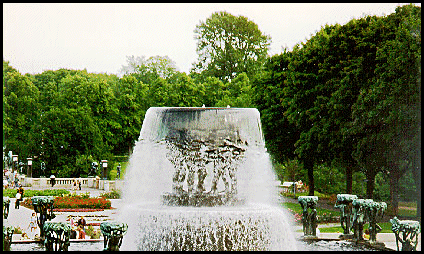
(98, 37)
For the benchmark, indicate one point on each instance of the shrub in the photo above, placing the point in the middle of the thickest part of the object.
(114, 194)
(17, 230)
(93, 233)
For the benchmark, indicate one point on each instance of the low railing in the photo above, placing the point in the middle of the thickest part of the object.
(67, 183)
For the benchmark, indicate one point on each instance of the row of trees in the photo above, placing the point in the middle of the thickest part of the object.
(69, 118)
(349, 97)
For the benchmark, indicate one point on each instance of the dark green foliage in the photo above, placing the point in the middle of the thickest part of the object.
(352, 93)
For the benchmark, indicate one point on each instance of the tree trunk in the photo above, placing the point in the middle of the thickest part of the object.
(417, 177)
(394, 191)
(349, 177)
(370, 183)
(309, 165)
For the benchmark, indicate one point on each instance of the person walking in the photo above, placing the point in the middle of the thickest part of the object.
(18, 199)
(19, 196)
(118, 171)
(21, 190)
(52, 180)
(81, 222)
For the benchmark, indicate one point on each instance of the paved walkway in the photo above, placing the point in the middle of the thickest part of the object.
(21, 217)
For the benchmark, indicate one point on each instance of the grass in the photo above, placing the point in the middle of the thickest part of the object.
(386, 228)
(298, 194)
(320, 211)
(408, 204)
(11, 193)
(411, 213)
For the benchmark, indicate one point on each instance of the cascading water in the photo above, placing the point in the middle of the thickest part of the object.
(201, 179)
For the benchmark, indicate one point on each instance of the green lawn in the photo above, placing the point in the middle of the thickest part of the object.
(386, 228)
(411, 213)
(298, 209)
(316, 193)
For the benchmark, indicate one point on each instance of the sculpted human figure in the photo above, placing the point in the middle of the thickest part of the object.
(309, 219)
(344, 203)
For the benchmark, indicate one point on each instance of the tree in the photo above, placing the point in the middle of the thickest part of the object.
(20, 113)
(387, 113)
(147, 71)
(185, 93)
(214, 91)
(130, 99)
(237, 93)
(303, 99)
(68, 134)
(280, 135)
(228, 45)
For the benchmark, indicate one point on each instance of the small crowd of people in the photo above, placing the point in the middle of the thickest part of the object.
(10, 179)
(76, 184)
(77, 228)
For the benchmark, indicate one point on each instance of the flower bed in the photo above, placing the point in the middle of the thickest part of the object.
(78, 203)
(81, 202)
(77, 209)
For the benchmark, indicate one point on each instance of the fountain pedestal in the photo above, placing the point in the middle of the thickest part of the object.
(406, 232)
(344, 203)
(57, 236)
(309, 218)
(113, 232)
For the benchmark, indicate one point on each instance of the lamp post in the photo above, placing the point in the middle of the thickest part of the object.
(29, 170)
(43, 169)
(15, 163)
(104, 165)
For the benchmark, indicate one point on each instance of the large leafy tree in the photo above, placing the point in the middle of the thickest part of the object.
(239, 93)
(303, 98)
(148, 70)
(69, 133)
(130, 96)
(280, 135)
(20, 113)
(228, 45)
(387, 113)
(185, 93)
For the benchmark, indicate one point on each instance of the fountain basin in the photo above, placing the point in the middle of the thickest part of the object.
(247, 227)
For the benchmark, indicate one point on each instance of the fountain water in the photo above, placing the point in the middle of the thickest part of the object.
(201, 179)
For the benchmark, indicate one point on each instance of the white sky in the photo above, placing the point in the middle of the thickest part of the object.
(98, 37)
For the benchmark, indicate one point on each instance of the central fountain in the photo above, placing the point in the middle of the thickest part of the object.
(201, 179)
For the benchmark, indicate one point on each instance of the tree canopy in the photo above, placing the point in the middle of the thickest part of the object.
(228, 45)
